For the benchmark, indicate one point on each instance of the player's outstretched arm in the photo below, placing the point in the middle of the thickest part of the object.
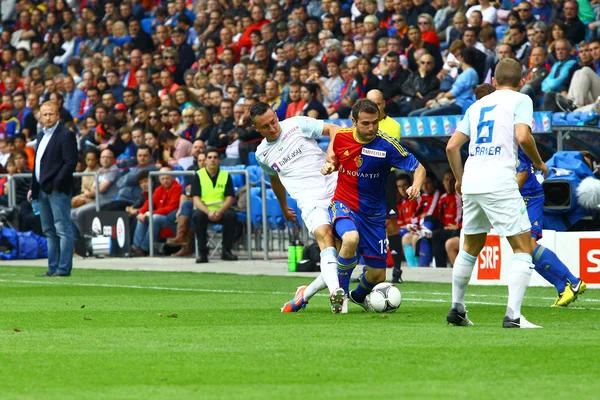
(281, 195)
(454, 159)
(418, 180)
(527, 143)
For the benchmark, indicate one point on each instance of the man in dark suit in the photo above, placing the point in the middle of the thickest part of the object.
(51, 187)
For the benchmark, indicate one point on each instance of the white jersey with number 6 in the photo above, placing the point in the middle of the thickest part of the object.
(490, 123)
(297, 158)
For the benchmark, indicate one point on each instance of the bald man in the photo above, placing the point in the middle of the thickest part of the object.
(392, 128)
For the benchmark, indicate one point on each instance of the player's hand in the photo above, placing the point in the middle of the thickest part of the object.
(327, 168)
(29, 196)
(543, 168)
(458, 187)
(413, 193)
(290, 215)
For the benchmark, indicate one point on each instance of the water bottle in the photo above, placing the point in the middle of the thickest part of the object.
(292, 256)
(36, 207)
(299, 251)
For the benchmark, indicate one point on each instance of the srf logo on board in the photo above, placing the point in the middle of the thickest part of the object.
(589, 260)
(490, 259)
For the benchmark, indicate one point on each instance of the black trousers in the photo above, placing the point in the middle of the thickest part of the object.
(438, 245)
(228, 221)
(116, 205)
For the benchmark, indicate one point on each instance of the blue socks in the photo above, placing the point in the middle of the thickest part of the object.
(409, 254)
(362, 290)
(344, 270)
(549, 266)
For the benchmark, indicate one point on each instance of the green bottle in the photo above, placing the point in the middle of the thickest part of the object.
(299, 251)
(292, 257)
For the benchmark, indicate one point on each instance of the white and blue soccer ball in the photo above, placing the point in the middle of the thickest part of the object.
(385, 298)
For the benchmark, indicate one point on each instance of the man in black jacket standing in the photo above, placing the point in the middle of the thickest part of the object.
(51, 187)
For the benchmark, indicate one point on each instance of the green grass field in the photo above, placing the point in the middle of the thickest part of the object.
(151, 335)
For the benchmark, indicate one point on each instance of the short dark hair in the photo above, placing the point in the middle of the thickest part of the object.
(520, 27)
(212, 150)
(142, 175)
(366, 106)
(483, 90)
(144, 147)
(258, 109)
(404, 177)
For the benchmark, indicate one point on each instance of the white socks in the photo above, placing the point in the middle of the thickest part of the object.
(518, 280)
(461, 275)
(328, 277)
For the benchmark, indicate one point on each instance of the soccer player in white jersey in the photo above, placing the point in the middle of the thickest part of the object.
(293, 160)
(495, 125)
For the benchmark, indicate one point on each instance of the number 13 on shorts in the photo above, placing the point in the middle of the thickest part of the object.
(383, 246)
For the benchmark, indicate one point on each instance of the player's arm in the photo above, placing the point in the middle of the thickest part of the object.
(521, 178)
(330, 130)
(454, 159)
(527, 143)
(332, 164)
(418, 180)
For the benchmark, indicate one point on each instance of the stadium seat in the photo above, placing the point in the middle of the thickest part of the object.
(255, 174)
(275, 218)
(573, 118)
(559, 118)
(324, 145)
(256, 211)
(179, 178)
(588, 116)
(252, 158)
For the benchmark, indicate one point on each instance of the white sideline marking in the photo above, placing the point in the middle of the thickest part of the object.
(197, 290)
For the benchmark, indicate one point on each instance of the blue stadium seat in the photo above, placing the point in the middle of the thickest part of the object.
(559, 118)
(252, 158)
(294, 206)
(324, 145)
(588, 116)
(255, 173)
(275, 218)
(500, 31)
(179, 178)
(573, 118)
(255, 191)
(256, 212)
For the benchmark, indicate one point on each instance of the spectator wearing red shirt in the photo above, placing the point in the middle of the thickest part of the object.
(450, 220)
(258, 20)
(165, 200)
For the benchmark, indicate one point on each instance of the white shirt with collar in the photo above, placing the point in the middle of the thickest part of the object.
(40, 152)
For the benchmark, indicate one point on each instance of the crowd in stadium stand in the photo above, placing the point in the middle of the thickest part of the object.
(152, 83)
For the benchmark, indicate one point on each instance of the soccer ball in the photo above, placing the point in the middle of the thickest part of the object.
(385, 298)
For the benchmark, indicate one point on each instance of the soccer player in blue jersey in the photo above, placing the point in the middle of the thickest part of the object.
(364, 156)
(493, 126)
(547, 264)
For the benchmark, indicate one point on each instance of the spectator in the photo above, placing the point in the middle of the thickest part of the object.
(449, 220)
(576, 30)
(427, 29)
(9, 126)
(313, 108)
(460, 97)
(534, 76)
(418, 47)
(559, 79)
(213, 197)
(165, 200)
(107, 189)
(174, 147)
(185, 225)
(129, 190)
(521, 46)
(87, 182)
(296, 103)
(420, 87)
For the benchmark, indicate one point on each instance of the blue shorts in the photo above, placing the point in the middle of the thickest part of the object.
(372, 244)
(535, 209)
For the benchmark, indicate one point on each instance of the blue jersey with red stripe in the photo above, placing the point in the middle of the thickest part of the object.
(364, 169)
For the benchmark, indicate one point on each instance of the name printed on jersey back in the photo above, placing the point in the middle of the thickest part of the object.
(486, 151)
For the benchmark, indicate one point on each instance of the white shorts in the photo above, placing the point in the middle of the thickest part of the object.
(315, 215)
(504, 210)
